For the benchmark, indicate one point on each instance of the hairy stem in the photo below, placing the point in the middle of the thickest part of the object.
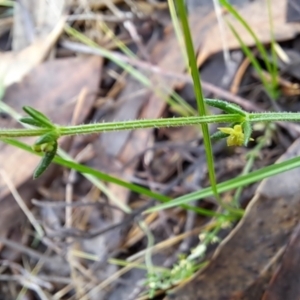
(274, 117)
(151, 123)
(123, 125)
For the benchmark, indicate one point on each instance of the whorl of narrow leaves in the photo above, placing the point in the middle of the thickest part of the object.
(37, 118)
(46, 143)
(31, 121)
(237, 134)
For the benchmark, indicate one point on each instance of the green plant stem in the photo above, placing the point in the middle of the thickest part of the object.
(274, 117)
(199, 95)
(177, 30)
(230, 184)
(13, 133)
(106, 177)
(274, 72)
(138, 124)
(123, 125)
(148, 123)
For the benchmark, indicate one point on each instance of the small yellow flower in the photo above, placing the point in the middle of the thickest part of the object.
(236, 135)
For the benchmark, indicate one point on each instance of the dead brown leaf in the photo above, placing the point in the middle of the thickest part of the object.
(51, 88)
(256, 15)
(15, 65)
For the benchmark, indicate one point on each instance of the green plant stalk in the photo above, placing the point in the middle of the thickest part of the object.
(97, 183)
(240, 116)
(239, 181)
(150, 123)
(91, 171)
(199, 95)
(274, 64)
(105, 177)
(177, 30)
(117, 41)
(116, 126)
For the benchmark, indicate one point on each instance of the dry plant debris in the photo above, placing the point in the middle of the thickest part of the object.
(81, 229)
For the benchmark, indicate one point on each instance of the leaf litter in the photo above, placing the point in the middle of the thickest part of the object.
(80, 229)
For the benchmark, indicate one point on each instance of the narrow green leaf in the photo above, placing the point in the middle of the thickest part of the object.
(31, 121)
(198, 93)
(106, 177)
(237, 182)
(230, 108)
(274, 64)
(36, 115)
